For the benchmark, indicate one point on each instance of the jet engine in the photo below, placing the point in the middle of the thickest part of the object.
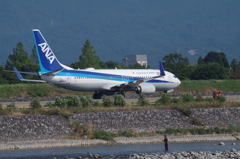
(145, 88)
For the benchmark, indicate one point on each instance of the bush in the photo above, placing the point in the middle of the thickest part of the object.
(221, 98)
(96, 104)
(142, 101)
(165, 99)
(61, 102)
(107, 101)
(35, 104)
(199, 98)
(86, 101)
(119, 100)
(73, 101)
(187, 98)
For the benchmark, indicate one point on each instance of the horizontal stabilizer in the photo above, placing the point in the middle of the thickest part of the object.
(31, 73)
(23, 79)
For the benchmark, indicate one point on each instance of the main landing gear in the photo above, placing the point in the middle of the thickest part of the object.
(97, 95)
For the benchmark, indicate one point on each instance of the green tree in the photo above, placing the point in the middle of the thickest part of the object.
(112, 65)
(209, 71)
(88, 57)
(178, 65)
(20, 60)
(2, 75)
(216, 57)
(234, 65)
(200, 61)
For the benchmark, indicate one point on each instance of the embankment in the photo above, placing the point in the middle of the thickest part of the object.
(49, 127)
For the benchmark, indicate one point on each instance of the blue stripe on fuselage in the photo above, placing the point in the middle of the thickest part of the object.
(105, 76)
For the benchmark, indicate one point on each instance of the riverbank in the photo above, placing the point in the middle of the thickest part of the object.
(118, 140)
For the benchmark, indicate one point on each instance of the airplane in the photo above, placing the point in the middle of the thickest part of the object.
(100, 81)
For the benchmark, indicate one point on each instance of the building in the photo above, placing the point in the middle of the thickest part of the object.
(132, 59)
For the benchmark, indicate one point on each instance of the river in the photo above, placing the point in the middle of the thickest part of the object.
(61, 152)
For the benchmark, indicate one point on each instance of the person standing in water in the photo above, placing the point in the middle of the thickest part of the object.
(165, 142)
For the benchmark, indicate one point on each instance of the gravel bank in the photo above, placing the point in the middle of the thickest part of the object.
(118, 140)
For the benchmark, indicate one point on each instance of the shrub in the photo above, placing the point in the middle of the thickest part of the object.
(119, 100)
(96, 104)
(199, 98)
(221, 98)
(35, 104)
(187, 98)
(142, 101)
(165, 99)
(86, 101)
(107, 101)
(61, 102)
(73, 101)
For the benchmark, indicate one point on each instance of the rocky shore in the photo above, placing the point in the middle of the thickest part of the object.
(233, 154)
(118, 140)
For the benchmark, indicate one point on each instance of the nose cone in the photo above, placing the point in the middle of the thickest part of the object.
(178, 82)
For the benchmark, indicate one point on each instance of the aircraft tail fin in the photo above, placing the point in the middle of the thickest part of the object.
(47, 60)
(162, 72)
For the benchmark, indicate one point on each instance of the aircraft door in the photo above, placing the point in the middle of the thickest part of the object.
(68, 78)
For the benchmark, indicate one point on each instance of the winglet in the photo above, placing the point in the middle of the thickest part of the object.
(162, 72)
(18, 74)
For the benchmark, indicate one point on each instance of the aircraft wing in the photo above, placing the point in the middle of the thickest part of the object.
(23, 79)
(137, 82)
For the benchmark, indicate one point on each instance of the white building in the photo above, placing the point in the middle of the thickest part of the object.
(132, 59)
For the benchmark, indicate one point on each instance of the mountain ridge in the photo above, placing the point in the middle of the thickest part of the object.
(118, 28)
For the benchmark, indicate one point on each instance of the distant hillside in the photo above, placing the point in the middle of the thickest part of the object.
(118, 28)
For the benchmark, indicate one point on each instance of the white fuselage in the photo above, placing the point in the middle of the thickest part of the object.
(103, 79)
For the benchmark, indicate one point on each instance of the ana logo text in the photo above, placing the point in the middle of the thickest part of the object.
(48, 52)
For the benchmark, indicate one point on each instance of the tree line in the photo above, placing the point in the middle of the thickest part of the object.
(213, 66)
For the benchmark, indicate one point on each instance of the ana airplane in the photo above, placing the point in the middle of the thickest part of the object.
(100, 81)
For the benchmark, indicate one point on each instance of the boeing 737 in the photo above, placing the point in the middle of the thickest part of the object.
(100, 81)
